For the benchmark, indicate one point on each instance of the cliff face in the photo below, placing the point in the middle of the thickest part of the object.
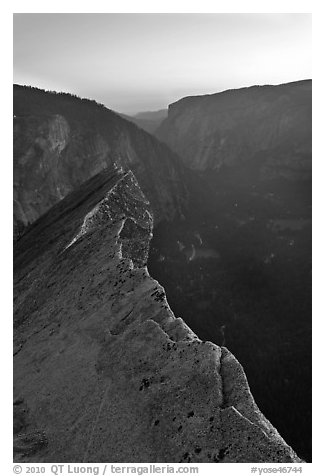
(60, 141)
(103, 371)
(271, 124)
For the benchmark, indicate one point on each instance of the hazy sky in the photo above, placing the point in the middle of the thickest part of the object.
(138, 62)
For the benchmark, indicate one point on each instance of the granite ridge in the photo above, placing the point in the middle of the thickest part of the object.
(103, 370)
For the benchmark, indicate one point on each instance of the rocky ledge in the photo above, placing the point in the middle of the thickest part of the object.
(103, 370)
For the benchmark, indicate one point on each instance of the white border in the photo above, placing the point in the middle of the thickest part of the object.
(318, 184)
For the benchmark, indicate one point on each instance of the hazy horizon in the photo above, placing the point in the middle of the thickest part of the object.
(143, 62)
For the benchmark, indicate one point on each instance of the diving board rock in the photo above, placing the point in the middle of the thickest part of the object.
(104, 369)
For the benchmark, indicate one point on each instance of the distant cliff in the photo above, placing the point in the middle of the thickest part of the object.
(60, 141)
(103, 371)
(149, 121)
(270, 125)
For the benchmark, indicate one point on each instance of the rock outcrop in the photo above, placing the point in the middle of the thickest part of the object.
(103, 371)
(60, 141)
(270, 125)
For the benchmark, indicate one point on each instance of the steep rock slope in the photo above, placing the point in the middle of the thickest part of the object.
(103, 371)
(60, 141)
(271, 124)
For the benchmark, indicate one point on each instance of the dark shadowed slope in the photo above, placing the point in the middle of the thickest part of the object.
(239, 267)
